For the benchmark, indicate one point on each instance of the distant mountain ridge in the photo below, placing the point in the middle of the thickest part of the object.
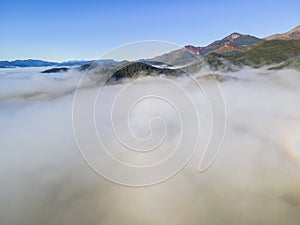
(40, 63)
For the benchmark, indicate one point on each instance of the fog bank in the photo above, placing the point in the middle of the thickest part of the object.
(254, 180)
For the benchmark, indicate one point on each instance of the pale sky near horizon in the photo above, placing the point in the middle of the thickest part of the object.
(67, 30)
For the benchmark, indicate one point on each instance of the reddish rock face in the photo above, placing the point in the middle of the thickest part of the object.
(193, 49)
(235, 42)
(295, 35)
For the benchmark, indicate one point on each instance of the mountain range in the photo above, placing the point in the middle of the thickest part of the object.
(241, 49)
(235, 42)
(278, 50)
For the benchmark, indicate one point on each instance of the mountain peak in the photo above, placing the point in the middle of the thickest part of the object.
(233, 43)
(233, 36)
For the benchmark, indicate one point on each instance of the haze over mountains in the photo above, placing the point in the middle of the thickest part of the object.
(39, 63)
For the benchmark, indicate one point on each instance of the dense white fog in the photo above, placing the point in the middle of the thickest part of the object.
(45, 180)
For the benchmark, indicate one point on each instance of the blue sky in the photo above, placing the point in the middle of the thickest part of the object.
(66, 30)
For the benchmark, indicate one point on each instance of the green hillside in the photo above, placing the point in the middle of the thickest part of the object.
(136, 69)
(267, 53)
(293, 63)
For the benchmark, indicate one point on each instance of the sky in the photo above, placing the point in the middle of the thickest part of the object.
(72, 30)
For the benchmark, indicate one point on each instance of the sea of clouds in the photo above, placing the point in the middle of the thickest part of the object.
(44, 178)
